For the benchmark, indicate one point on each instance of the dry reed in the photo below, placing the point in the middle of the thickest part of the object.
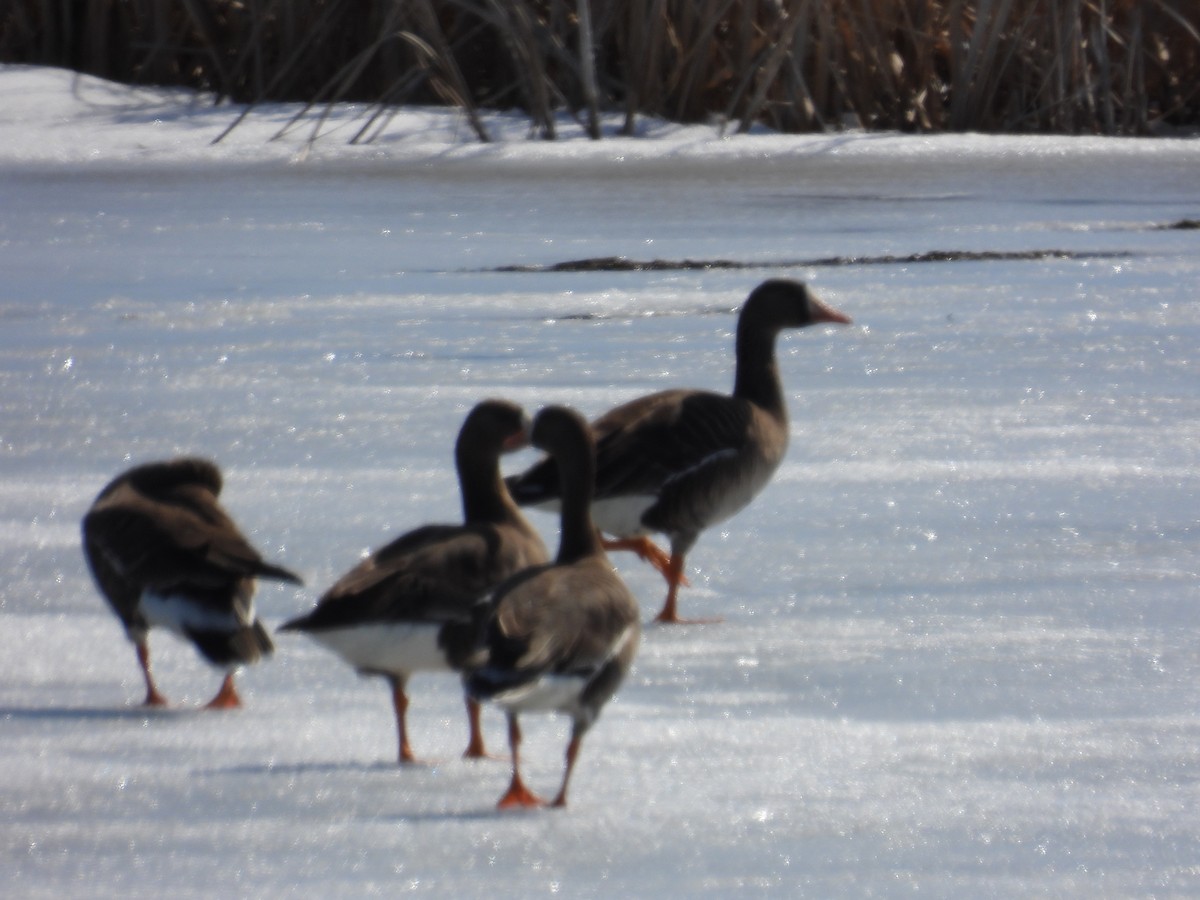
(1066, 66)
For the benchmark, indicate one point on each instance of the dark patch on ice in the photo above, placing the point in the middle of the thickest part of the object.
(1181, 225)
(92, 713)
(644, 314)
(624, 264)
(312, 768)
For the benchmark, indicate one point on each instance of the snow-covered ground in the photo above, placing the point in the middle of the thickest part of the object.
(959, 648)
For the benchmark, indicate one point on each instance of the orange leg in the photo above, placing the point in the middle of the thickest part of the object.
(572, 752)
(153, 697)
(400, 704)
(517, 794)
(670, 611)
(650, 552)
(475, 747)
(227, 697)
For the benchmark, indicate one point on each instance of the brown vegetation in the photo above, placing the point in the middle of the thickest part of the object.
(1068, 66)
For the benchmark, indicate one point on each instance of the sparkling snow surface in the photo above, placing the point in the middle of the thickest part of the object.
(960, 647)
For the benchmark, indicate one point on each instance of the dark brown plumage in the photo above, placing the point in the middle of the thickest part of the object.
(410, 606)
(164, 553)
(561, 636)
(679, 461)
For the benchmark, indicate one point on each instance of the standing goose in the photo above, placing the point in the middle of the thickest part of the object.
(164, 552)
(408, 607)
(561, 637)
(678, 461)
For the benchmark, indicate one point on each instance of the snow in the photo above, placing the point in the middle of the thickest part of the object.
(958, 649)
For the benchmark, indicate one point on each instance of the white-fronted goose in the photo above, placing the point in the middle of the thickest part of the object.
(561, 637)
(678, 461)
(164, 553)
(408, 607)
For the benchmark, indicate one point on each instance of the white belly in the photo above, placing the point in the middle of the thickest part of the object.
(622, 516)
(616, 516)
(399, 647)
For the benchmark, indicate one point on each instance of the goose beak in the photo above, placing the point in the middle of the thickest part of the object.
(822, 312)
(518, 440)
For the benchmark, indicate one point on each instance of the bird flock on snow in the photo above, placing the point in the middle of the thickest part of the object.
(482, 598)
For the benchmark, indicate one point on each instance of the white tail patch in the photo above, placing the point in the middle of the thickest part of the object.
(561, 693)
(548, 693)
(179, 614)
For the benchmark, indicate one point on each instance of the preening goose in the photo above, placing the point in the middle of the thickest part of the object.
(164, 553)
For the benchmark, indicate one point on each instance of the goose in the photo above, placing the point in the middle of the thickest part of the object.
(164, 553)
(679, 461)
(561, 637)
(408, 606)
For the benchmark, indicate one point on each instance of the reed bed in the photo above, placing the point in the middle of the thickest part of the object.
(1064, 66)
